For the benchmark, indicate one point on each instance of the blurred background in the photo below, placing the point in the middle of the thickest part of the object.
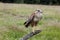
(13, 13)
(46, 2)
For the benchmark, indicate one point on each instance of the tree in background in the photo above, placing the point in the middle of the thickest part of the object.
(7, 1)
(46, 2)
(18, 1)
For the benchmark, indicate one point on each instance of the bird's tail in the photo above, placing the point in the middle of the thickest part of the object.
(27, 23)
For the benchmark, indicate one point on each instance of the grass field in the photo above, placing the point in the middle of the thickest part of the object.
(12, 17)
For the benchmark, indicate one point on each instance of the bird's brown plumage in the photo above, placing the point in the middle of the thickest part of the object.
(34, 19)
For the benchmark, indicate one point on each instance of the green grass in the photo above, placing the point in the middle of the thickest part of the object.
(50, 33)
(12, 17)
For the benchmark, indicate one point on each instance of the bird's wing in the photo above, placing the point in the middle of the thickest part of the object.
(27, 23)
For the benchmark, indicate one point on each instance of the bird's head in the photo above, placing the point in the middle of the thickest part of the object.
(39, 10)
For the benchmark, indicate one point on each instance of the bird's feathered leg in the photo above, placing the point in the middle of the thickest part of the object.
(34, 26)
(33, 29)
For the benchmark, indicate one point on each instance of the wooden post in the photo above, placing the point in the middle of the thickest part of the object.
(30, 35)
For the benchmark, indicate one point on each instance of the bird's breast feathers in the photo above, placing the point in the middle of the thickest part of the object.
(38, 16)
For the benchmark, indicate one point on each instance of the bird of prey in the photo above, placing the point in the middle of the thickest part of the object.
(34, 19)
